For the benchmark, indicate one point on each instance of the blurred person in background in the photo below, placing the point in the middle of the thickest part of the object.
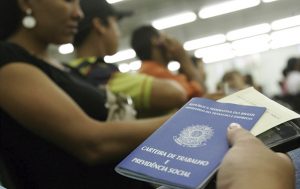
(233, 81)
(292, 76)
(98, 36)
(290, 85)
(53, 132)
(156, 50)
(199, 64)
(250, 81)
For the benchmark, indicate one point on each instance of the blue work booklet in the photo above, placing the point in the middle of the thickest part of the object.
(187, 149)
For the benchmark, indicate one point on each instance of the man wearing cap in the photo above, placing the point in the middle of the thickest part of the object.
(98, 36)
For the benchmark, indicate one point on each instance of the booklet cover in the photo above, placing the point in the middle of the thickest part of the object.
(188, 148)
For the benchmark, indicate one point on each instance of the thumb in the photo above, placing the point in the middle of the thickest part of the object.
(236, 134)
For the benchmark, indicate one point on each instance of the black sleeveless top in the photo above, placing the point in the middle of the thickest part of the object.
(34, 163)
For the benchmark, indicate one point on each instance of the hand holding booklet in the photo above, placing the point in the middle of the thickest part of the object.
(187, 149)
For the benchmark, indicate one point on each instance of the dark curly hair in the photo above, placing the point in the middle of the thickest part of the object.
(10, 18)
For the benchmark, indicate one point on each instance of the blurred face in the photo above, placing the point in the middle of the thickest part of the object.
(57, 20)
(112, 35)
(161, 45)
(200, 68)
(236, 82)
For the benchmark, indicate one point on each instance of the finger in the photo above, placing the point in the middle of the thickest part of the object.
(236, 134)
(284, 157)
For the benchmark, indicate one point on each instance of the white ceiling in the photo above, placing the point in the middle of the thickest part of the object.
(258, 65)
(146, 11)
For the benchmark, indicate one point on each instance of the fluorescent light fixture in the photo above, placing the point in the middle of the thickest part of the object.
(204, 42)
(286, 22)
(174, 20)
(251, 45)
(200, 53)
(215, 53)
(226, 7)
(248, 31)
(135, 65)
(284, 38)
(113, 1)
(66, 48)
(268, 1)
(173, 66)
(120, 56)
(124, 67)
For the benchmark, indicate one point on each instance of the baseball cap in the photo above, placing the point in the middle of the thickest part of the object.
(101, 9)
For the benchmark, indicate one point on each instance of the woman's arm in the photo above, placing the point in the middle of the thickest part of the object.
(31, 98)
(163, 89)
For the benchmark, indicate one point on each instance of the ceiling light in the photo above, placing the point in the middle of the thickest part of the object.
(124, 68)
(174, 20)
(120, 56)
(173, 66)
(268, 1)
(284, 38)
(200, 53)
(248, 31)
(212, 59)
(251, 45)
(215, 53)
(66, 48)
(286, 22)
(113, 1)
(204, 42)
(226, 7)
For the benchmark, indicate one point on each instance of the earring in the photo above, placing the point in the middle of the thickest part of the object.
(29, 21)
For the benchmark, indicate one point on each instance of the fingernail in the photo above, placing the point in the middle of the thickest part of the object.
(234, 126)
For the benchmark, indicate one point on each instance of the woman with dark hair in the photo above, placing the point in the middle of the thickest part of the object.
(52, 129)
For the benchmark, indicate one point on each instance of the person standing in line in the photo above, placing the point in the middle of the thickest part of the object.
(98, 36)
(53, 132)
